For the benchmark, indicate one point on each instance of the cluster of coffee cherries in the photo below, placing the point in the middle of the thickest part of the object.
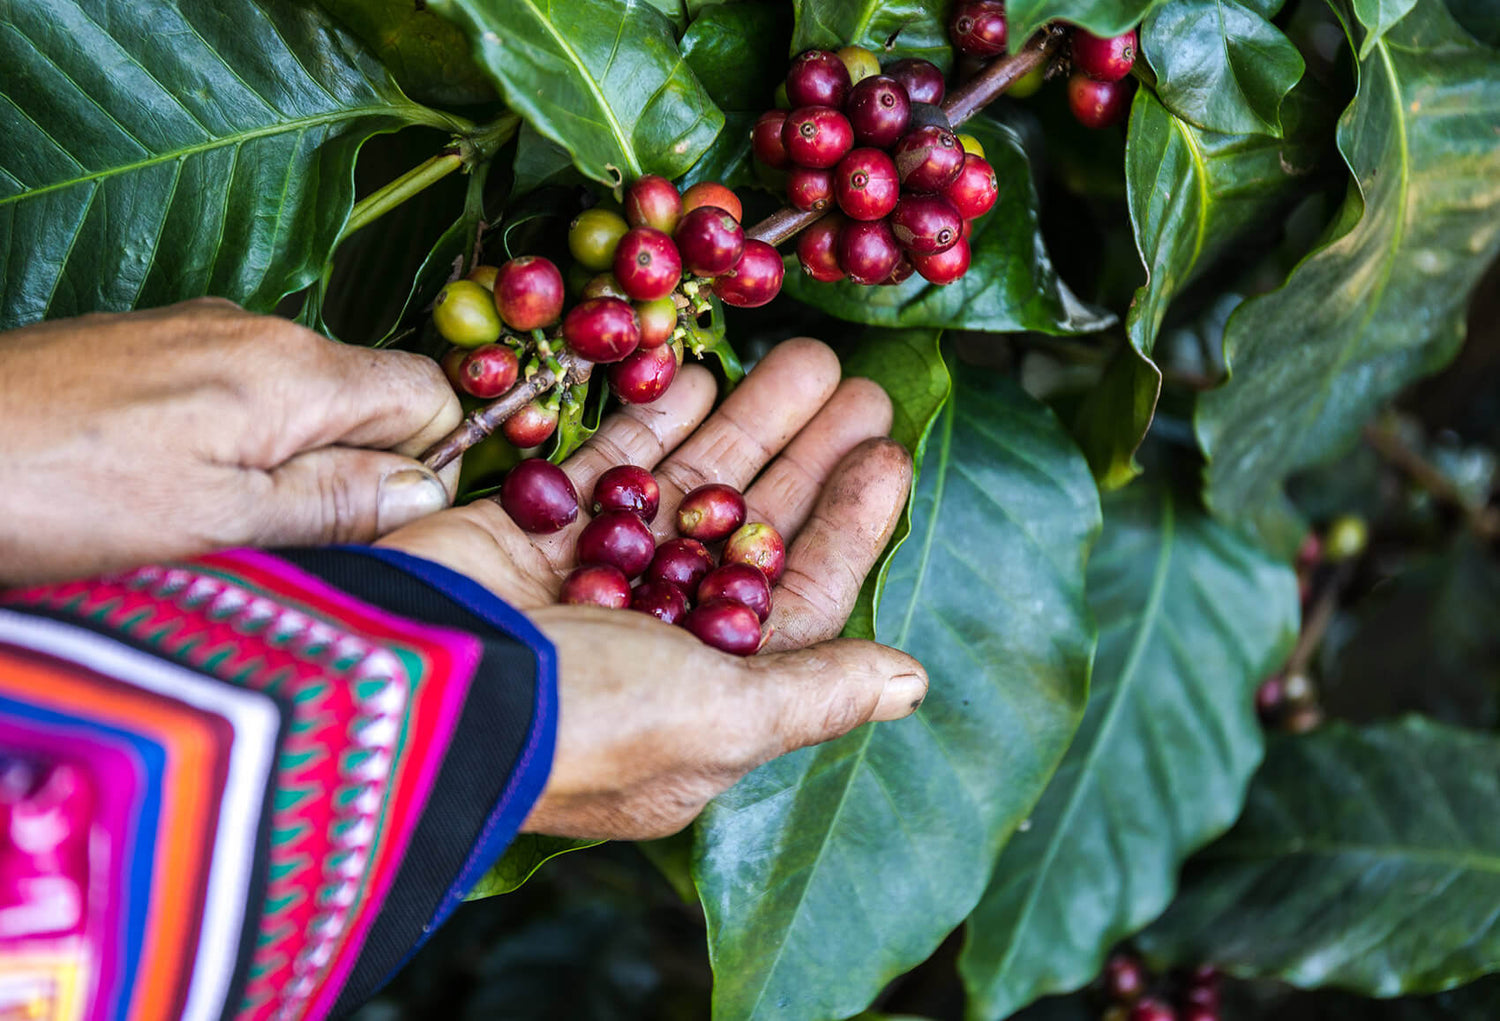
(724, 601)
(1135, 996)
(873, 148)
(1099, 89)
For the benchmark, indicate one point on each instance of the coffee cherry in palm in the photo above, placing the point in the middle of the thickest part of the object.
(529, 293)
(628, 487)
(602, 329)
(816, 136)
(817, 78)
(928, 158)
(725, 625)
(488, 371)
(1097, 104)
(755, 279)
(657, 320)
(978, 28)
(618, 538)
(765, 139)
(464, 314)
(652, 201)
(1105, 60)
(538, 496)
(868, 251)
(817, 249)
(740, 582)
(531, 426)
(681, 562)
(596, 585)
(710, 241)
(946, 266)
(593, 235)
(926, 224)
(760, 546)
(859, 62)
(663, 601)
(647, 264)
(714, 194)
(711, 512)
(866, 185)
(975, 189)
(809, 190)
(921, 79)
(878, 110)
(642, 376)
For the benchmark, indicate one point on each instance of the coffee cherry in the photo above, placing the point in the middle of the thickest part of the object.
(725, 625)
(760, 546)
(974, 191)
(603, 285)
(928, 159)
(971, 145)
(596, 585)
(765, 139)
(483, 275)
(1270, 699)
(681, 562)
(817, 249)
(878, 110)
(602, 329)
(808, 189)
(1106, 60)
(657, 320)
(464, 314)
(529, 293)
(1124, 977)
(1152, 1009)
(617, 538)
(946, 266)
(531, 426)
(628, 487)
(740, 582)
(1203, 996)
(901, 274)
(859, 62)
(1097, 104)
(925, 115)
(710, 240)
(926, 224)
(1197, 1012)
(755, 279)
(816, 136)
(1347, 537)
(538, 496)
(715, 195)
(652, 201)
(663, 601)
(593, 235)
(489, 371)
(817, 78)
(866, 185)
(452, 364)
(921, 79)
(868, 251)
(978, 28)
(647, 264)
(710, 513)
(642, 376)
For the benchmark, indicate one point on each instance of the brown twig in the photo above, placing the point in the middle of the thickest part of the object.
(1315, 624)
(483, 421)
(1483, 519)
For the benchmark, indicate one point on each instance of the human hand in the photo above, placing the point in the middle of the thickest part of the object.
(653, 722)
(171, 432)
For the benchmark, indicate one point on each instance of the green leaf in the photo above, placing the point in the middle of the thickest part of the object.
(712, 339)
(1191, 618)
(1367, 859)
(913, 28)
(527, 853)
(1011, 284)
(729, 161)
(579, 419)
(205, 148)
(1382, 303)
(1115, 414)
(601, 78)
(1377, 16)
(541, 162)
(738, 52)
(428, 56)
(1481, 18)
(887, 836)
(1221, 64)
(1101, 17)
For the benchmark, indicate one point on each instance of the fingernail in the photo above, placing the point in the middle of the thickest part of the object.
(901, 696)
(406, 496)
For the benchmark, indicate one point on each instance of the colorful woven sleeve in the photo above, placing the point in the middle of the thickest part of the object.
(249, 786)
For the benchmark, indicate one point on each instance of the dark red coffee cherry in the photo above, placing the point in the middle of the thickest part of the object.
(866, 185)
(926, 224)
(604, 285)
(663, 601)
(712, 193)
(652, 201)
(531, 426)
(452, 363)
(1124, 977)
(602, 329)
(489, 371)
(1152, 1009)
(710, 513)
(596, 585)
(1106, 60)
(868, 251)
(647, 264)
(817, 78)
(725, 625)
(978, 28)
(765, 139)
(1204, 996)
(902, 273)
(760, 546)
(1097, 104)
(1197, 1012)
(921, 79)
(710, 240)
(808, 189)
(657, 320)
(817, 249)
(628, 487)
(642, 376)
(528, 293)
(618, 538)
(925, 115)
(740, 582)
(944, 267)
(928, 159)
(682, 562)
(755, 280)
(816, 136)
(974, 191)
(538, 496)
(878, 110)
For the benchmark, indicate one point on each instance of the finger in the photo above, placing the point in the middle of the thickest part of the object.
(768, 408)
(480, 541)
(848, 529)
(338, 494)
(785, 494)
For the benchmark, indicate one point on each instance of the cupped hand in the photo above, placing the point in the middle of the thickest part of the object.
(171, 432)
(653, 722)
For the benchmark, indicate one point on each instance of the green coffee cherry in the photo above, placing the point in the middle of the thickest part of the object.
(465, 314)
(593, 237)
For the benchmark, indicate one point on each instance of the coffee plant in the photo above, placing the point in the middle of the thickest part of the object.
(1201, 551)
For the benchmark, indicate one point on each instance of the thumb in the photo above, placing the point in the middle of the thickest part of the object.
(343, 494)
(824, 691)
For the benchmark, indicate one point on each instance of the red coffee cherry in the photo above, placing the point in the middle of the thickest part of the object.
(928, 159)
(879, 111)
(618, 538)
(866, 185)
(902, 273)
(647, 264)
(489, 371)
(628, 487)
(740, 582)
(817, 78)
(642, 376)
(817, 249)
(868, 251)
(652, 201)
(760, 546)
(1151, 1009)
(712, 193)
(725, 625)
(596, 585)
(816, 136)
(926, 224)
(755, 280)
(604, 285)
(765, 139)
(681, 562)
(663, 601)
(452, 363)
(1106, 60)
(531, 426)
(528, 293)
(710, 240)
(808, 189)
(602, 329)
(538, 496)
(921, 79)
(975, 189)
(1097, 104)
(657, 320)
(710, 513)
(1124, 977)
(978, 28)
(944, 267)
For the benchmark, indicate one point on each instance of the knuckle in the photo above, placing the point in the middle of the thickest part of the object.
(340, 508)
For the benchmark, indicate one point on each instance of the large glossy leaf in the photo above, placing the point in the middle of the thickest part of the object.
(428, 55)
(1383, 302)
(166, 150)
(1011, 284)
(738, 52)
(886, 837)
(1191, 618)
(913, 28)
(601, 78)
(1377, 16)
(1221, 64)
(1367, 859)
(1102, 17)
